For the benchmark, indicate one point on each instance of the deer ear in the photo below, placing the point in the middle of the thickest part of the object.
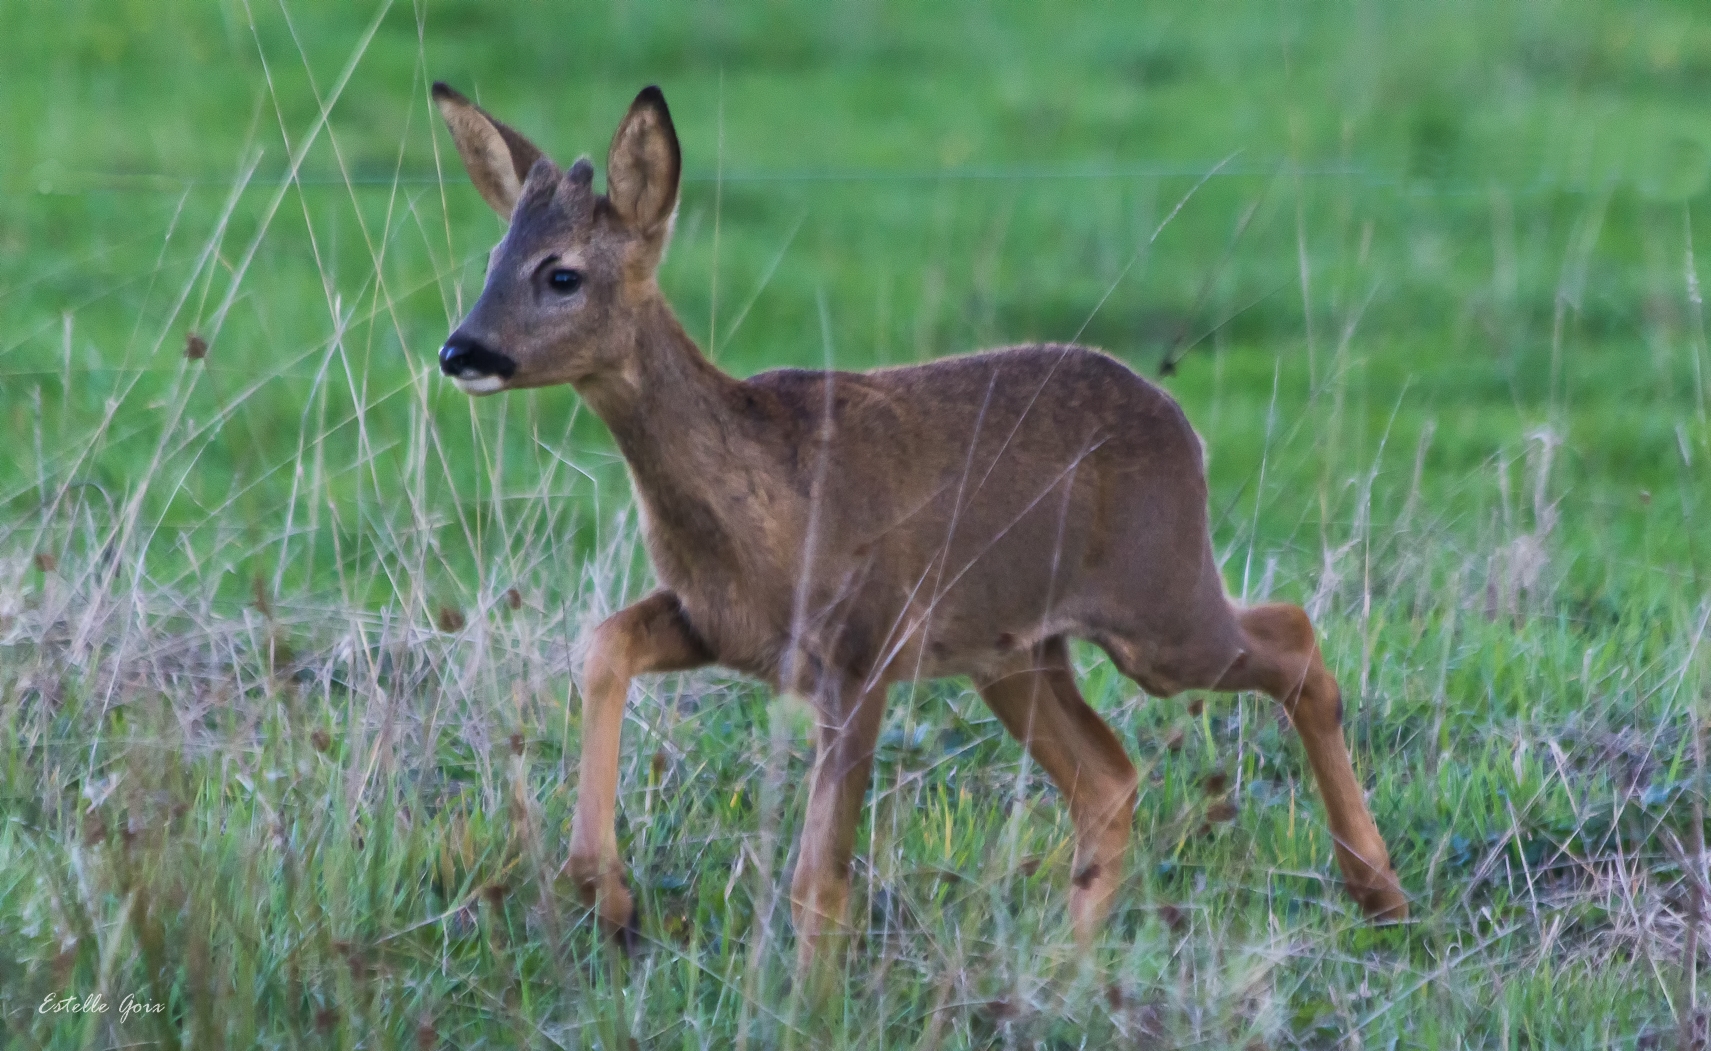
(644, 165)
(497, 158)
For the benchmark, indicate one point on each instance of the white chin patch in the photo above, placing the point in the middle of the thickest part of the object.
(479, 384)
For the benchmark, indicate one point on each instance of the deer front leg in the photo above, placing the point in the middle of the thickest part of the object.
(843, 762)
(652, 635)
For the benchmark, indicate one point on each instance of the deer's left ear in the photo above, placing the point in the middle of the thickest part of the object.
(497, 158)
(644, 165)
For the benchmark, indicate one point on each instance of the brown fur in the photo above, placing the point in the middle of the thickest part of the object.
(832, 533)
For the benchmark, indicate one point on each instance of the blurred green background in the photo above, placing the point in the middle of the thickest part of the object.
(1457, 221)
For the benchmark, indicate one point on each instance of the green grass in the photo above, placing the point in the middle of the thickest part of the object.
(287, 634)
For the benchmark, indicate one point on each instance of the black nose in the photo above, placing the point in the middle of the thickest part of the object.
(465, 357)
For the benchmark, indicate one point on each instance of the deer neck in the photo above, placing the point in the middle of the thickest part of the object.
(671, 412)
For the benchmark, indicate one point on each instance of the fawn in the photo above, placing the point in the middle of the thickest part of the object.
(832, 533)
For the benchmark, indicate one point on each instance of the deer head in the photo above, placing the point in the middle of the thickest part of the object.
(564, 283)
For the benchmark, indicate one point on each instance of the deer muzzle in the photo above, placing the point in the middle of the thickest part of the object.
(473, 366)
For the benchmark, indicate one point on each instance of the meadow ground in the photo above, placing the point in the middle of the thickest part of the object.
(288, 627)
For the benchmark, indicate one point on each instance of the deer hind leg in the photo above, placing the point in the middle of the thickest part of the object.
(1280, 655)
(843, 764)
(652, 635)
(1041, 707)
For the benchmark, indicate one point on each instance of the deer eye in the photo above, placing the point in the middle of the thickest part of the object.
(564, 280)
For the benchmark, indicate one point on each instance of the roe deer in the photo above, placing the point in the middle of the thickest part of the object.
(832, 533)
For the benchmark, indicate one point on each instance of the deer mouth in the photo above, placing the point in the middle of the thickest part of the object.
(479, 384)
(473, 367)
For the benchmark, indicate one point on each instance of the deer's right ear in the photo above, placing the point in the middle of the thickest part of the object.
(497, 158)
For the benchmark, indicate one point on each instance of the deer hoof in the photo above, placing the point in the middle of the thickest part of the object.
(1383, 902)
(601, 888)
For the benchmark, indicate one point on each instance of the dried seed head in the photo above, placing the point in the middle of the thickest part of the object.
(516, 742)
(46, 563)
(426, 1037)
(1215, 782)
(514, 599)
(1173, 918)
(659, 764)
(1222, 810)
(258, 594)
(195, 347)
(495, 893)
(1000, 1009)
(321, 739)
(451, 619)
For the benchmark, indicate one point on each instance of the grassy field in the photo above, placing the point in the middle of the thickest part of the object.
(288, 631)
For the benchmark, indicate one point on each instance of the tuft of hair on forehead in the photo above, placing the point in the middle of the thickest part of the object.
(549, 194)
(538, 186)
